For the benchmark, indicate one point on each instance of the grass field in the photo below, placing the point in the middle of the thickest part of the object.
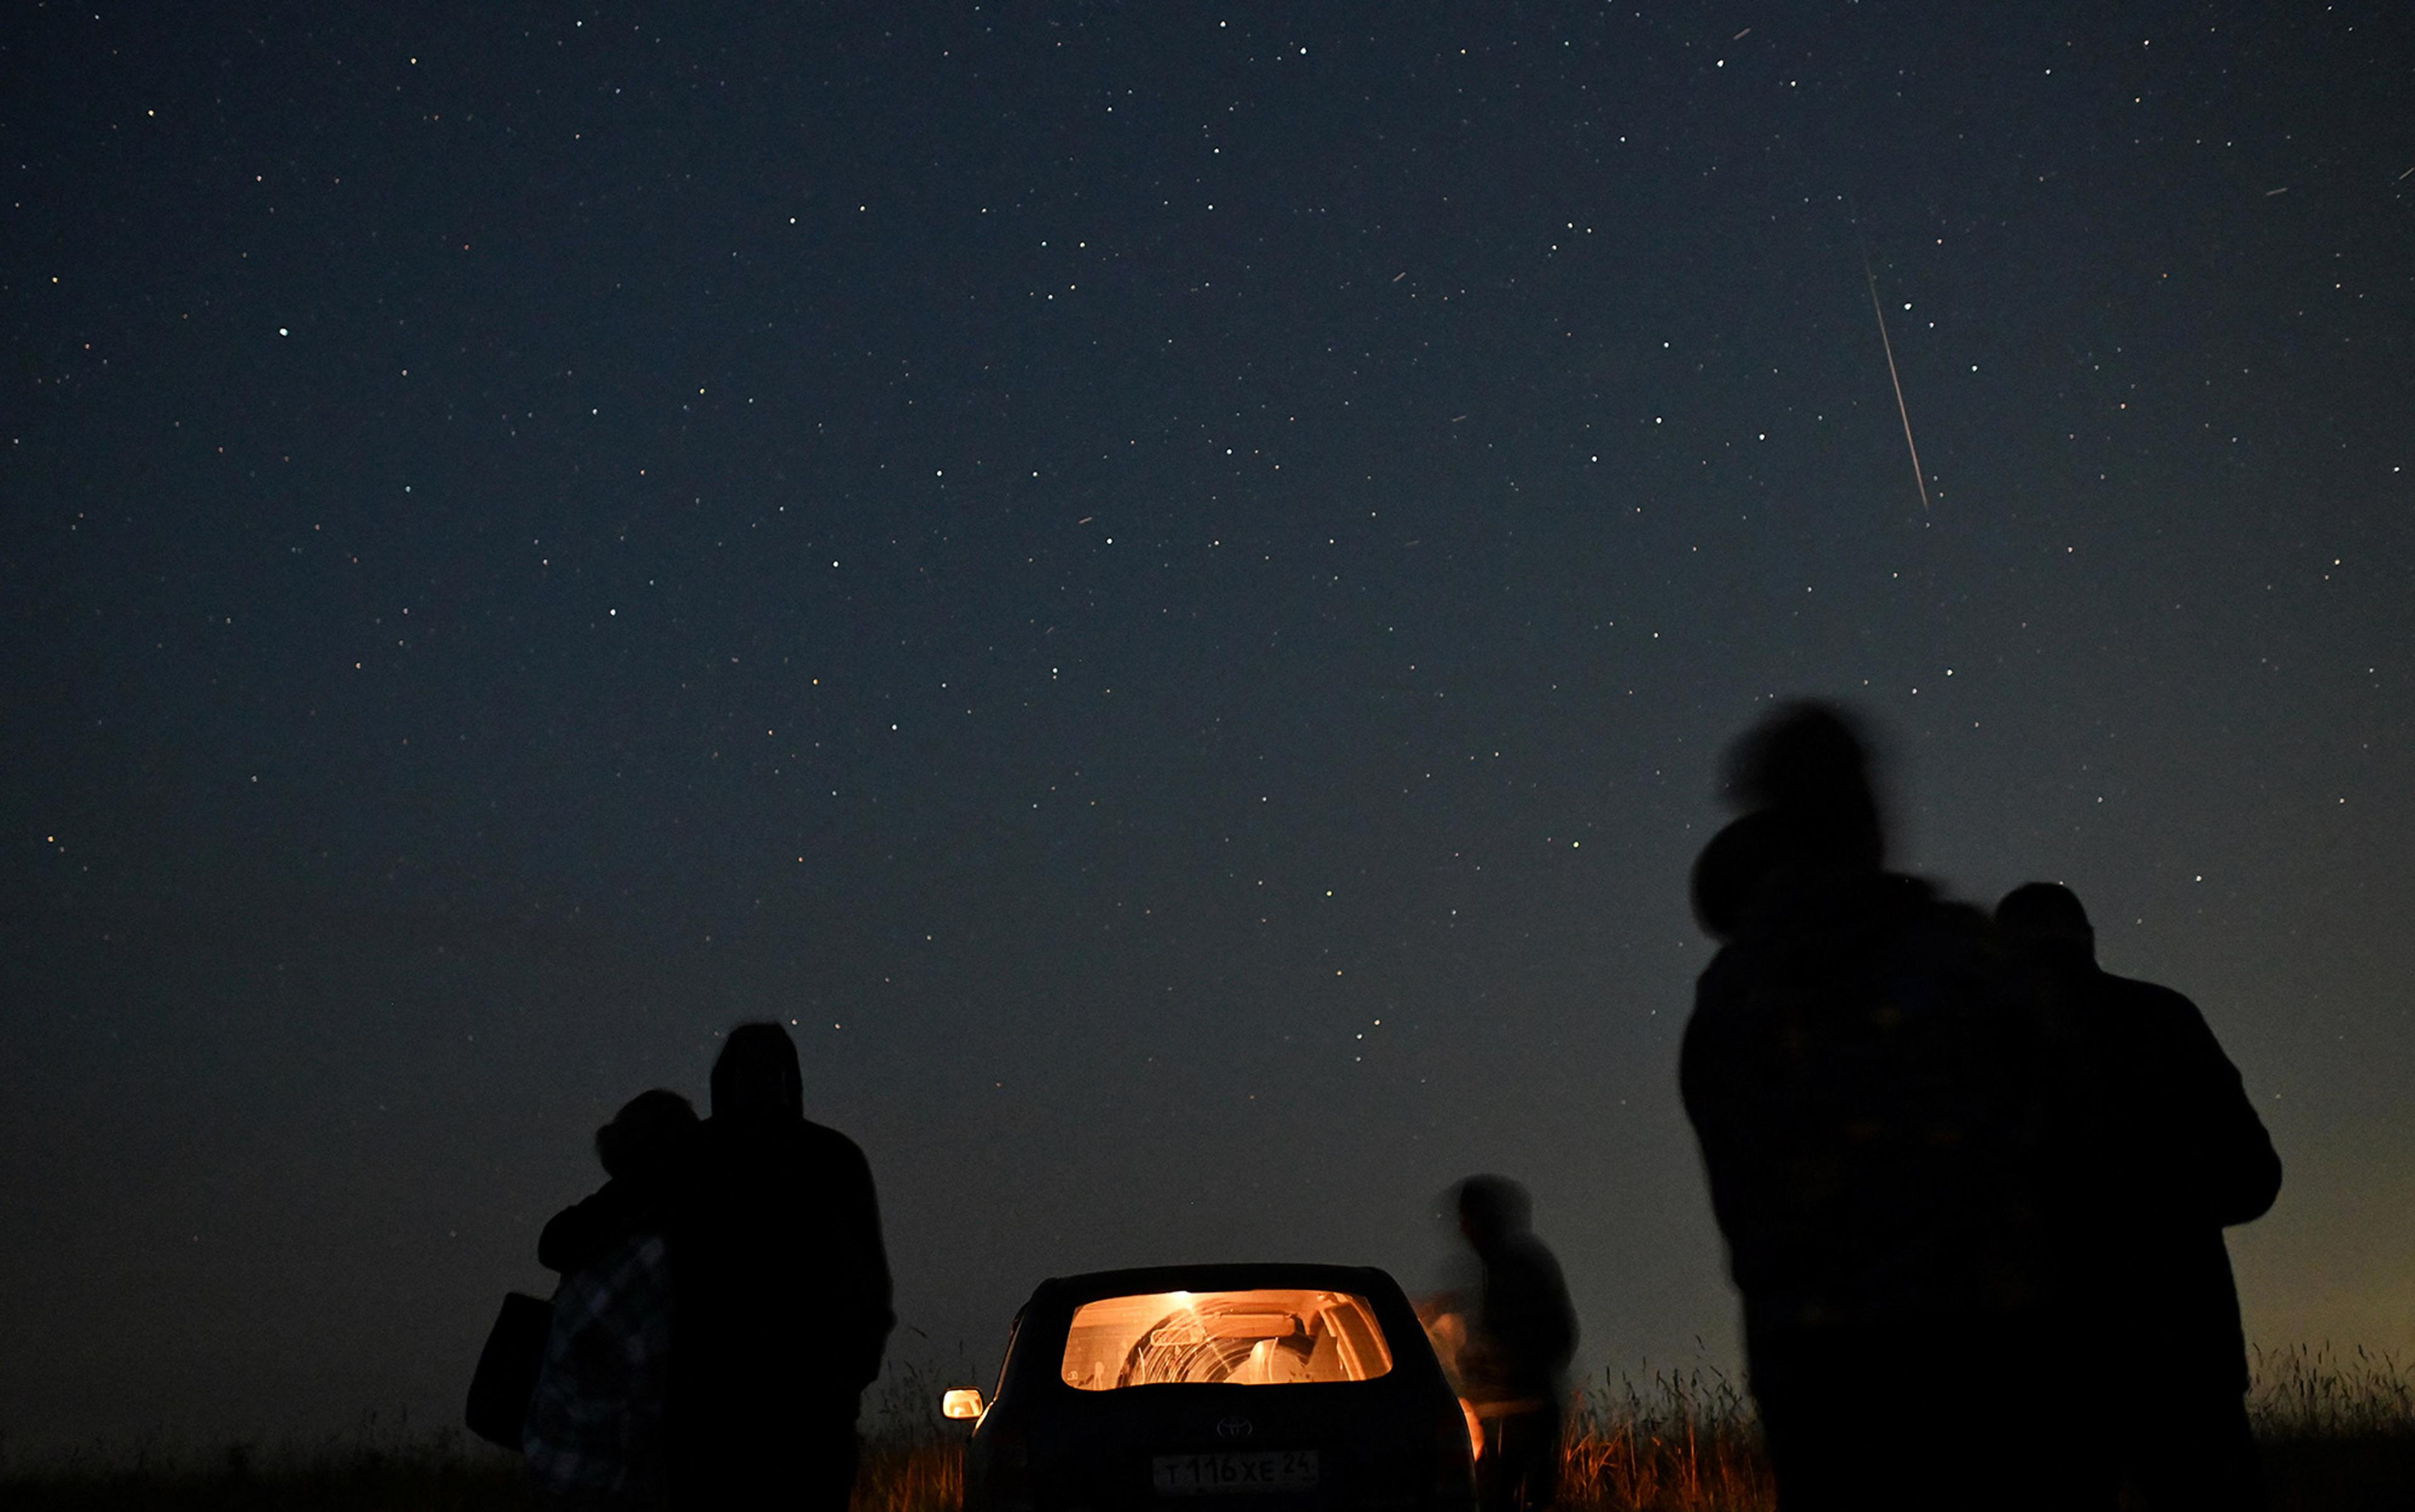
(2338, 1430)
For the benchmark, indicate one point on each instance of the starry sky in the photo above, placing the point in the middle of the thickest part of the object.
(1164, 582)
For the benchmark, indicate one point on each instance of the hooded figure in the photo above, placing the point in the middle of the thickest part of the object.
(784, 1293)
(1866, 1079)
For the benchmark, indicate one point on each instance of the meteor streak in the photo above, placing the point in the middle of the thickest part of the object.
(1920, 479)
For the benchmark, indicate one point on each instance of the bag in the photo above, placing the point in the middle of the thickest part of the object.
(507, 1370)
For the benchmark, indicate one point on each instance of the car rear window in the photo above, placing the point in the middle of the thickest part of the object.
(1263, 1337)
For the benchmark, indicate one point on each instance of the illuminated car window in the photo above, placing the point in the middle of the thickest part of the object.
(1261, 1338)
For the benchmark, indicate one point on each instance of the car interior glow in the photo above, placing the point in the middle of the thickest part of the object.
(1260, 1337)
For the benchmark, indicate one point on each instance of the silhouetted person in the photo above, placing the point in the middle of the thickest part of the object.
(639, 1150)
(596, 1432)
(2180, 1154)
(1520, 1335)
(784, 1294)
(1865, 1077)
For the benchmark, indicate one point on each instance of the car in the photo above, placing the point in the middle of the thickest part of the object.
(1274, 1388)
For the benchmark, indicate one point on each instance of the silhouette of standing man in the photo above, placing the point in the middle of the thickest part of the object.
(783, 1286)
(1520, 1335)
(2180, 1157)
(1866, 1080)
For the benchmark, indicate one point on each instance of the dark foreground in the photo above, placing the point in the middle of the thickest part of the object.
(2335, 1474)
(2338, 1433)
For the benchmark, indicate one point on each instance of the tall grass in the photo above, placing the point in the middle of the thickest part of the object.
(1675, 1441)
(913, 1458)
(2321, 1392)
(2337, 1426)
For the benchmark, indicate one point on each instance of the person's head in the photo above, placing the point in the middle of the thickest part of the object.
(1492, 1208)
(1809, 763)
(1735, 861)
(755, 1077)
(2046, 920)
(646, 1134)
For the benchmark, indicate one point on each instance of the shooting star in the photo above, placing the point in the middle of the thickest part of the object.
(1919, 478)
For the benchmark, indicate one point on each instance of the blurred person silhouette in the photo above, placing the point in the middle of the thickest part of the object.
(2178, 1156)
(784, 1293)
(1520, 1335)
(595, 1433)
(1870, 1088)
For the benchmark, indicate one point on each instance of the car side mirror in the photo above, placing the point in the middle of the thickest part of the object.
(962, 1402)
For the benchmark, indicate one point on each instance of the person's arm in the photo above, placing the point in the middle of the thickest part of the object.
(874, 1300)
(2232, 1172)
(2246, 1168)
(573, 1236)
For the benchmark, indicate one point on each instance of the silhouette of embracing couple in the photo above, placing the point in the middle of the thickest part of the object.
(725, 1300)
(1972, 1186)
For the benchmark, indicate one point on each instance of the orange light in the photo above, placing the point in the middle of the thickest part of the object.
(961, 1402)
(1258, 1336)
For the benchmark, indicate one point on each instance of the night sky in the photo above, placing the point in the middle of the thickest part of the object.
(1166, 582)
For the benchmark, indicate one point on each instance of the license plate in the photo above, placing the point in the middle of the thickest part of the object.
(1221, 1474)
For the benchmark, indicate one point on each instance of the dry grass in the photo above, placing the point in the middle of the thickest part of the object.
(1676, 1443)
(1680, 1441)
(913, 1458)
(904, 1475)
(373, 1469)
(2338, 1429)
(2325, 1393)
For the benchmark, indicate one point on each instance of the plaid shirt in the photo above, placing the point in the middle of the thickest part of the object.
(595, 1427)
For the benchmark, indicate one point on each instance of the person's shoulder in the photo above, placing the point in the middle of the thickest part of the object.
(1922, 904)
(1534, 1254)
(1913, 917)
(825, 1134)
(823, 1143)
(1728, 993)
(2149, 997)
(2148, 1015)
(1730, 960)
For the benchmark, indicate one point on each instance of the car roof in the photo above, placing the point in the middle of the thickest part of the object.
(1225, 1276)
